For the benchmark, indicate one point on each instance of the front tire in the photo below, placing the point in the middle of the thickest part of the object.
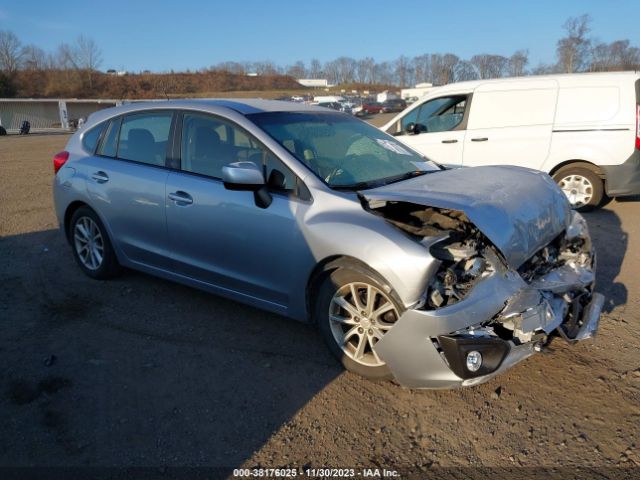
(91, 245)
(582, 186)
(353, 312)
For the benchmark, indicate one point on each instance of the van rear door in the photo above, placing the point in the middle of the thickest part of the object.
(510, 123)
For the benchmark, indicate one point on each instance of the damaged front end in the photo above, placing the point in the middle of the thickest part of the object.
(482, 312)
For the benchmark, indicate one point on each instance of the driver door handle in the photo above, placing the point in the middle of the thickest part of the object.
(481, 139)
(450, 141)
(181, 198)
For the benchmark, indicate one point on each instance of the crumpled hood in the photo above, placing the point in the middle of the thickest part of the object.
(518, 209)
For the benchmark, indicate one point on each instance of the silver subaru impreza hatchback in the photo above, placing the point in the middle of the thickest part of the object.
(433, 277)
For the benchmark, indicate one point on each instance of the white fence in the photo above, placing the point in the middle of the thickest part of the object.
(48, 114)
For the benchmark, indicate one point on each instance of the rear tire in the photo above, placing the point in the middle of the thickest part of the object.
(91, 245)
(582, 186)
(3, 131)
(353, 311)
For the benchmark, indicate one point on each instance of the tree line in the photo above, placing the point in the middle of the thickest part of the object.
(577, 51)
(72, 69)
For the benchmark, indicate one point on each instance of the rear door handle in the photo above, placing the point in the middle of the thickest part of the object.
(100, 177)
(481, 139)
(181, 198)
(450, 141)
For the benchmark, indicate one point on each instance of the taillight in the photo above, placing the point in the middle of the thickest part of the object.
(59, 160)
(638, 126)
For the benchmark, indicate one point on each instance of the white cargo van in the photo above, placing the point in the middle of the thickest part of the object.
(582, 129)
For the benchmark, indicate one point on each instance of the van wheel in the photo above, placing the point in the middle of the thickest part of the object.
(3, 131)
(582, 186)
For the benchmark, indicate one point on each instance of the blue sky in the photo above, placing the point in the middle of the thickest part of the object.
(185, 34)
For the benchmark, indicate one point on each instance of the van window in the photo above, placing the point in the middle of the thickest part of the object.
(438, 115)
(512, 108)
(587, 104)
(144, 137)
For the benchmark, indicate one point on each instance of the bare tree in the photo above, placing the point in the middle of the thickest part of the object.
(384, 73)
(266, 67)
(422, 68)
(465, 70)
(315, 68)
(297, 70)
(34, 58)
(231, 67)
(573, 50)
(346, 69)
(618, 55)
(442, 68)
(518, 62)
(403, 70)
(88, 57)
(365, 70)
(10, 52)
(490, 66)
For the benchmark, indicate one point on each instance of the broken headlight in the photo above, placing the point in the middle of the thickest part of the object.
(462, 265)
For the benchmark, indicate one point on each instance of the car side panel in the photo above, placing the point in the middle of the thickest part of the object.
(133, 202)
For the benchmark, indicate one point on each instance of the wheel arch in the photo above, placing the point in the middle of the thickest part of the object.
(68, 214)
(328, 265)
(578, 163)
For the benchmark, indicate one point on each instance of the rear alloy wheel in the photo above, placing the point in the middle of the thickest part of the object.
(91, 246)
(583, 187)
(354, 312)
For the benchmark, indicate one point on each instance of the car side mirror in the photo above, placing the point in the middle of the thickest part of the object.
(242, 176)
(413, 128)
(249, 177)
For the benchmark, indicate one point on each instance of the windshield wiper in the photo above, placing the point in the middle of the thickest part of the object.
(405, 176)
(359, 185)
(381, 181)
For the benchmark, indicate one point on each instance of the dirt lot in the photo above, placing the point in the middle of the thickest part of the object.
(143, 372)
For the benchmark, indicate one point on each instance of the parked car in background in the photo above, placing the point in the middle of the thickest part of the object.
(582, 129)
(393, 105)
(368, 108)
(437, 278)
(332, 105)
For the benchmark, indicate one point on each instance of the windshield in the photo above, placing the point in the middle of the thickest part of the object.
(343, 151)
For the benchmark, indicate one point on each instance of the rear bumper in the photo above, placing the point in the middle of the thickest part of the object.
(623, 180)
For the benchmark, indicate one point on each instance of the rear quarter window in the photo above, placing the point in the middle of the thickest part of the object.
(91, 137)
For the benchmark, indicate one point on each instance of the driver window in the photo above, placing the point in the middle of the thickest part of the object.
(209, 143)
(437, 115)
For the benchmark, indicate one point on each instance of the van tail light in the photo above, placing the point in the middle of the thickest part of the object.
(638, 126)
(59, 160)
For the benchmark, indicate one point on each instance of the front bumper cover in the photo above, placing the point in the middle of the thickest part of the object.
(414, 352)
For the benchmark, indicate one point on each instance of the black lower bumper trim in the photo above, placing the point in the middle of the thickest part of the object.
(456, 348)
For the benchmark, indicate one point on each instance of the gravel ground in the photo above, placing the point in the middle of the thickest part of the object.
(140, 372)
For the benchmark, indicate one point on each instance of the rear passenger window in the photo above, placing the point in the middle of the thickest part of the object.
(144, 136)
(90, 138)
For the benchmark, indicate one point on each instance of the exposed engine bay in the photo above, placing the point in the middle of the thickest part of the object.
(557, 280)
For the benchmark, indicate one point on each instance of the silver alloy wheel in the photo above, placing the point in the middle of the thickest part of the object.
(578, 189)
(89, 243)
(359, 315)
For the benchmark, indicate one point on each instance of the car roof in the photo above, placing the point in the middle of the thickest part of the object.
(244, 106)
